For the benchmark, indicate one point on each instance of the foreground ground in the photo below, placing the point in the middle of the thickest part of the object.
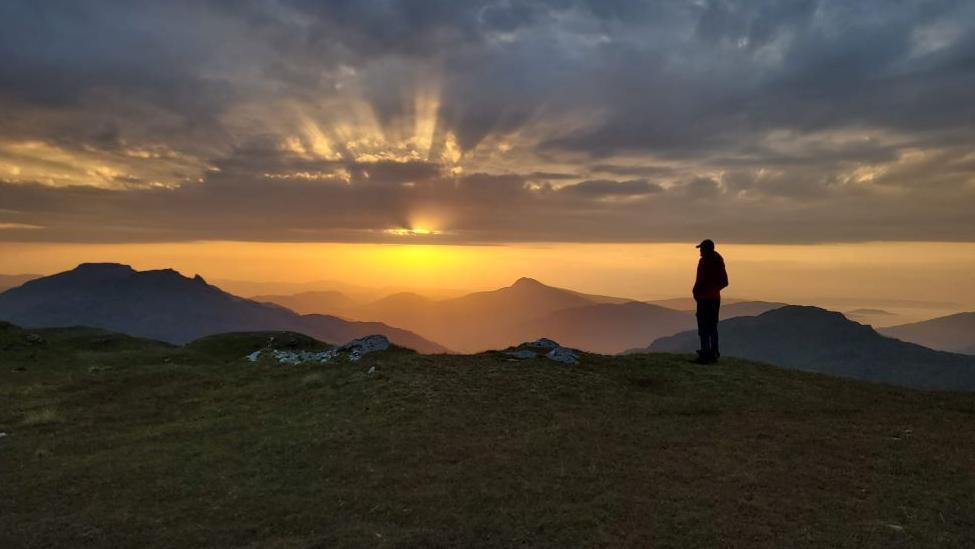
(116, 442)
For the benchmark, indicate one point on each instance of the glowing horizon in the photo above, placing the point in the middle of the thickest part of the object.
(934, 272)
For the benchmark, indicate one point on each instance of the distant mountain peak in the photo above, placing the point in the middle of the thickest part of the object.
(119, 268)
(808, 310)
(526, 282)
(819, 340)
(166, 305)
(94, 272)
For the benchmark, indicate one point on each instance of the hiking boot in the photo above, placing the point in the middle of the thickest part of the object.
(707, 358)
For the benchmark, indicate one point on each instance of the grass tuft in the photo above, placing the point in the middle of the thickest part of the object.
(44, 416)
(313, 380)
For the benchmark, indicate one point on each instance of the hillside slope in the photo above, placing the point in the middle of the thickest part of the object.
(476, 321)
(608, 327)
(748, 308)
(320, 302)
(529, 309)
(148, 445)
(168, 306)
(12, 281)
(816, 340)
(955, 333)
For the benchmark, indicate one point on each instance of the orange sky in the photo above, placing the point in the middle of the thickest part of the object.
(796, 273)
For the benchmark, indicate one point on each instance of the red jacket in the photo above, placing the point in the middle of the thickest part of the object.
(711, 277)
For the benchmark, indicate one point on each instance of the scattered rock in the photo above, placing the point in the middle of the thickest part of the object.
(543, 347)
(372, 370)
(368, 344)
(3, 435)
(353, 350)
(563, 354)
(34, 339)
(297, 357)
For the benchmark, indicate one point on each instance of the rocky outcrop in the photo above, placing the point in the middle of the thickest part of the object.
(543, 348)
(563, 354)
(364, 345)
(353, 351)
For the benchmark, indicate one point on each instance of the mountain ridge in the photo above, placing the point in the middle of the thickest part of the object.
(529, 308)
(163, 304)
(814, 339)
(8, 281)
(955, 333)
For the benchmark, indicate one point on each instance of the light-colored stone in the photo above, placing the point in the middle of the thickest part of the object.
(522, 354)
(563, 354)
(368, 344)
(354, 350)
(297, 357)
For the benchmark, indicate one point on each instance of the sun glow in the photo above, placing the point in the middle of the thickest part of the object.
(793, 273)
(415, 231)
(349, 127)
(49, 163)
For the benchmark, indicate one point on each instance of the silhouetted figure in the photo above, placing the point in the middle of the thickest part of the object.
(711, 279)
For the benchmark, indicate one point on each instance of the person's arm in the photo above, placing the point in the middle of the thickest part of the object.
(723, 278)
(696, 290)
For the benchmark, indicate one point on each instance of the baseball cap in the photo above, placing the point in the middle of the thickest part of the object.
(707, 244)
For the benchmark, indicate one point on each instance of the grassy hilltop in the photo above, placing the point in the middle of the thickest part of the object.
(114, 441)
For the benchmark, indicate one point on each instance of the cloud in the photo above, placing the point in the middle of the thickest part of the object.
(18, 226)
(608, 187)
(497, 120)
(236, 203)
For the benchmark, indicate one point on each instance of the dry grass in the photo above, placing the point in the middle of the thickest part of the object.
(44, 416)
(313, 380)
(172, 449)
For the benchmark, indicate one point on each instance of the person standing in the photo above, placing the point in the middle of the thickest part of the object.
(711, 279)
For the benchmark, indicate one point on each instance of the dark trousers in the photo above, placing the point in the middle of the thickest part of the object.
(707, 325)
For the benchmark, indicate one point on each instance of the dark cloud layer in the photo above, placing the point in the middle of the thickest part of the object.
(488, 120)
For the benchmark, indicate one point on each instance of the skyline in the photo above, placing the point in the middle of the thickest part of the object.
(443, 142)
(933, 275)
